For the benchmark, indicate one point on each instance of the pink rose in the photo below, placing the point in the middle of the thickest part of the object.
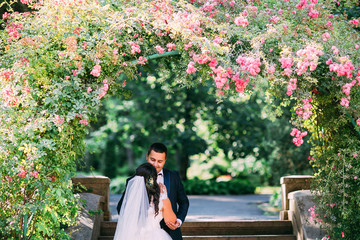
(187, 46)
(345, 102)
(335, 50)
(191, 69)
(240, 21)
(213, 62)
(96, 70)
(159, 49)
(58, 120)
(286, 62)
(170, 46)
(142, 61)
(22, 173)
(298, 141)
(294, 132)
(34, 174)
(325, 36)
(135, 48)
(8, 178)
(313, 13)
(61, 55)
(84, 122)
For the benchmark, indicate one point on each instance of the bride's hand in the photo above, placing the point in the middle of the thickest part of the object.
(162, 188)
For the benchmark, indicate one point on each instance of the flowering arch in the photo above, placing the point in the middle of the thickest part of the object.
(59, 62)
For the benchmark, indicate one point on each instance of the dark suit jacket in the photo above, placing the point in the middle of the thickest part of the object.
(178, 199)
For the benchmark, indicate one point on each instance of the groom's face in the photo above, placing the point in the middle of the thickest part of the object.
(156, 159)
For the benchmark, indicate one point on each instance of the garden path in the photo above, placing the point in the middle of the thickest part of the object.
(218, 208)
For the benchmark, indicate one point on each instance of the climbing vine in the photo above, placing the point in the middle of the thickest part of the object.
(61, 60)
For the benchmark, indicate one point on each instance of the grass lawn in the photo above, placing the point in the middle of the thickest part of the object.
(267, 189)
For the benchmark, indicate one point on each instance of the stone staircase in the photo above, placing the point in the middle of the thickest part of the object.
(239, 230)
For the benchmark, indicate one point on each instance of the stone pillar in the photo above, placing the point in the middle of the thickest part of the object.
(99, 185)
(290, 184)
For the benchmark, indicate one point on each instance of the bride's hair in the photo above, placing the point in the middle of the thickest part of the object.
(149, 173)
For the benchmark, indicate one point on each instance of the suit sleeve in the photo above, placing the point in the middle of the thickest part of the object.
(182, 200)
(120, 202)
(122, 197)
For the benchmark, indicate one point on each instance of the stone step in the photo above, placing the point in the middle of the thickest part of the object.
(237, 228)
(106, 238)
(107, 228)
(229, 237)
(242, 237)
(276, 227)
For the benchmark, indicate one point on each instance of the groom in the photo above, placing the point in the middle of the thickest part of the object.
(157, 155)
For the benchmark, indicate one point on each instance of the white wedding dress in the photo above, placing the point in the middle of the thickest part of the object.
(152, 229)
(137, 220)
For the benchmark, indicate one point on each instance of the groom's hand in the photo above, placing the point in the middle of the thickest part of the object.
(173, 226)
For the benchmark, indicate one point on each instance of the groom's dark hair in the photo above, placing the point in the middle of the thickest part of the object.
(159, 148)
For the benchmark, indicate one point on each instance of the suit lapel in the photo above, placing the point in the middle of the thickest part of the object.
(167, 180)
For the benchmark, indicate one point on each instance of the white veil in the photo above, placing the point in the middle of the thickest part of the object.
(134, 210)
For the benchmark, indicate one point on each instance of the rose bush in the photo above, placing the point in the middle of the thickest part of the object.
(59, 61)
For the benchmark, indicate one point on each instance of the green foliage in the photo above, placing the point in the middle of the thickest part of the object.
(95, 212)
(275, 200)
(339, 183)
(212, 187)
(117, 185)
(283, 157)
(58, 62)
(240, 127)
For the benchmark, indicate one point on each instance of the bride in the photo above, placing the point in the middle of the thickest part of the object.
(145, 204)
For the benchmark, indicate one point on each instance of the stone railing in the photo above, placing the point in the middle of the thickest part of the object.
(94, 192)
(290, 184)
(99, 185)
(296, 200)
(88, 220)
(304, 226)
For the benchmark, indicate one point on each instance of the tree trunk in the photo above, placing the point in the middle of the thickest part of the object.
(130, 156)
(182, 160)
(110, 159)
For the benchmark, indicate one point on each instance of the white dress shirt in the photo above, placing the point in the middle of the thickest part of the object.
(160, 177)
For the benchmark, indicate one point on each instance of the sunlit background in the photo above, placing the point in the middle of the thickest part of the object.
(239, 139)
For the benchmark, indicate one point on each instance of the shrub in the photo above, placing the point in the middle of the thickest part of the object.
(212, 187)
(117, 185)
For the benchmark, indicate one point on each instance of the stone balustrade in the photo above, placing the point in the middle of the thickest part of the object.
(88, 220)
(305, 228)
(290, 184)
(99, 185)
(296, 200)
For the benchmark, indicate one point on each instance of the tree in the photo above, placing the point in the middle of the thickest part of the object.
(158, 110)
